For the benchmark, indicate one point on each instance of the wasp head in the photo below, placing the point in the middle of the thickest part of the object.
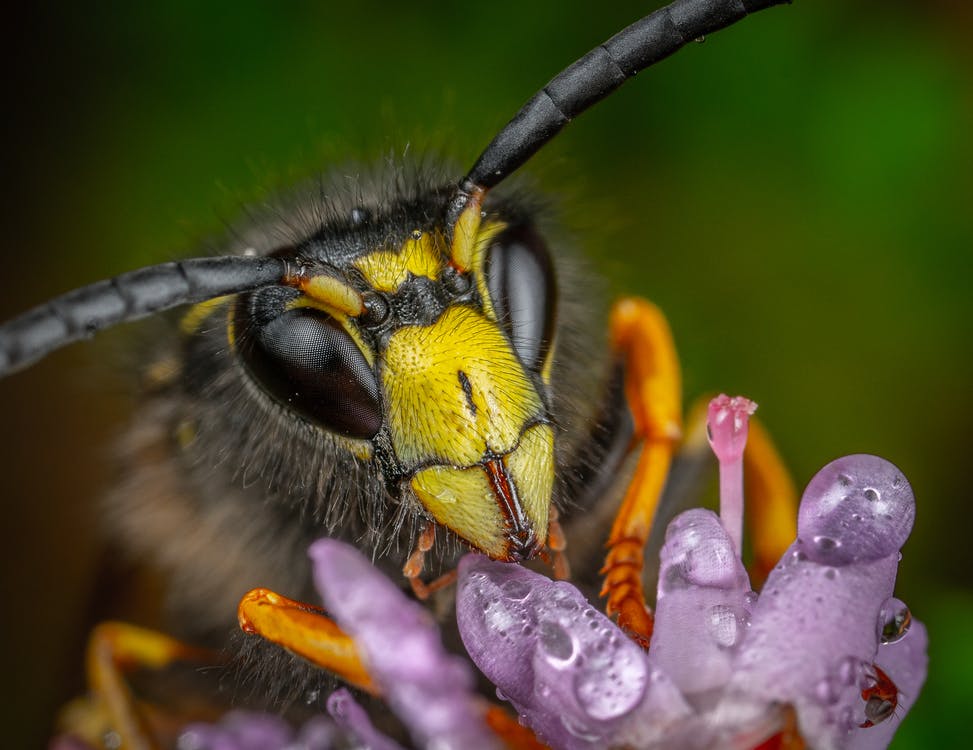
(439, 374)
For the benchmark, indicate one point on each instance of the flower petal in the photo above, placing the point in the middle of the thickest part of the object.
(574, 677)
(240, 730)
(905, 661)
(429, 689)
(353, 719)
(814, 627)
(703, 604)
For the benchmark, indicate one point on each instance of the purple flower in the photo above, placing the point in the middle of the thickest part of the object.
(824, 652)
(430, 690)
(824, 641)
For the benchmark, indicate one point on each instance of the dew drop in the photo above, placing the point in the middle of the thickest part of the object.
(849, 670)
(515, 589)
(556, 643)
(575, 729)
(830, 574)
(606, 694)
(894, 621)
(871, 494)
(826, 543)
(826, 692)
(724, 625)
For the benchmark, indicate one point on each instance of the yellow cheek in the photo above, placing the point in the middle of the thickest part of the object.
(461, 500)
(464, 501)
(531, 467)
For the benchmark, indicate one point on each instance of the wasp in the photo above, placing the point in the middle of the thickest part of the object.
(405, 361)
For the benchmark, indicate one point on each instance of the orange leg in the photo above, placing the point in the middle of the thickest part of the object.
(557, 543)
(115, 648)
(303, 630)
(641, 336)
(412, 569)
(771, 500)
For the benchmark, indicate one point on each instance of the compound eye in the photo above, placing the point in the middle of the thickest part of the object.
(520, 278)
(306, 361)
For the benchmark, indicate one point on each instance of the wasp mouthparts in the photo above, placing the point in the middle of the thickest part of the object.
(523, 543)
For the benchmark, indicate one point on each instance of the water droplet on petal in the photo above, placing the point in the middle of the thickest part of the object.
(849, 670)
(556, 643)
(827, 692)
(576, 730)
(515, 589)
(856, 509)
(725, 625)
(826, 543)
(894, 620)
(609, 690)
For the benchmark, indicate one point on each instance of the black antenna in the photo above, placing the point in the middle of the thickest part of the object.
(83, 312)
(137, 294)
(595, 76)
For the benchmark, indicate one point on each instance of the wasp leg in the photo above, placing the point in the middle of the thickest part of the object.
(771, 500)
(412, 569)
(641, 337)
(557, 543)
(303, 630)
(115, 648)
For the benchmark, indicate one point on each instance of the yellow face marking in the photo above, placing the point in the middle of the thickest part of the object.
(531, 467)
(462, 500)
(487, 232)
(465, 231)
(455, 390)
(420, 255)
(333, 294)
(198, 313)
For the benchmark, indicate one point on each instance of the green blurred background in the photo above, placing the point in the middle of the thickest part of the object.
(794, 192)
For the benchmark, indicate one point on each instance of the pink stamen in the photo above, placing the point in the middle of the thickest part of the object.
(727, 421)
